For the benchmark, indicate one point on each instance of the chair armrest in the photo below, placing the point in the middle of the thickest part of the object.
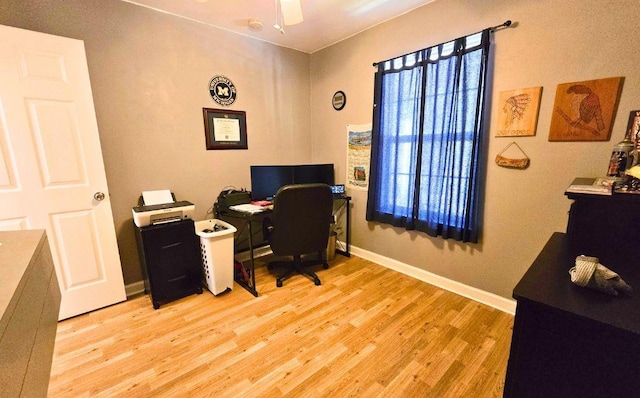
(267, 227)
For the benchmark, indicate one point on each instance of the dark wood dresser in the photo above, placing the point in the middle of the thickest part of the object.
(607, 226)
(570, 341)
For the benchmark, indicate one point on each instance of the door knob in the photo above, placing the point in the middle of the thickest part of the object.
(99, 196)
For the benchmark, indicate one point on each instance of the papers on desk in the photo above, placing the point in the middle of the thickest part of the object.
(248, 208)
(159, 197)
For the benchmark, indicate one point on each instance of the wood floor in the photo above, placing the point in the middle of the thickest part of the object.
(366, 332)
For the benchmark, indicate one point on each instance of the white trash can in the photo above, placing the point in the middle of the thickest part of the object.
(216, 251)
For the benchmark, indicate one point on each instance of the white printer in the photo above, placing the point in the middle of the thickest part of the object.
(158, 207)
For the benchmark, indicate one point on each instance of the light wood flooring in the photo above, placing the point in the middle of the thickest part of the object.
(366, 332)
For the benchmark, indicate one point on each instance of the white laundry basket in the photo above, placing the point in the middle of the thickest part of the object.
(216, 250)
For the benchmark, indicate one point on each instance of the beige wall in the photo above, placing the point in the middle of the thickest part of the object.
(149, 74)
(555, 41)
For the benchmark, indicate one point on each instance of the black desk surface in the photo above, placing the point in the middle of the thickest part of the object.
(548, 282)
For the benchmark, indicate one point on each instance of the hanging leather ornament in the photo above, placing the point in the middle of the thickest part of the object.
(512, 163)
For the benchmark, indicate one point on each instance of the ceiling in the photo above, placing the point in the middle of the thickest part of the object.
(326, 22)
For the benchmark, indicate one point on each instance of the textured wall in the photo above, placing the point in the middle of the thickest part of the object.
(149, 74)
(554, 42)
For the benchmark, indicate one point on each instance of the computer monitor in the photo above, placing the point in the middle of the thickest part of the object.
(266, 180)
(313, 173)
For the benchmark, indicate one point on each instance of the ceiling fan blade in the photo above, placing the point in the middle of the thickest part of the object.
(291, 11)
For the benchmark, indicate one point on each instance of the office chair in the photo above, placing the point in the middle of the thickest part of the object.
(299, 225)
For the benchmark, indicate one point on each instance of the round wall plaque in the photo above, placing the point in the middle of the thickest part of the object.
(339, 100)
(222, 90)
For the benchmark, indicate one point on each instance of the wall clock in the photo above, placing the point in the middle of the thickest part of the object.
(339, 100)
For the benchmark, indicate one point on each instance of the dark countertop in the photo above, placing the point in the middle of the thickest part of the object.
(548, 282)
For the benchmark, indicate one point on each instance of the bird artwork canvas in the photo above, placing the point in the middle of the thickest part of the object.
(584, 111)
(518, 113)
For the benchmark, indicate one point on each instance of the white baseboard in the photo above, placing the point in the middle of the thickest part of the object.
(259, 252)
(481, 296)
(134, 288)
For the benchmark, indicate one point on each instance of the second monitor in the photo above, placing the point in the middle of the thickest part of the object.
(266, 180)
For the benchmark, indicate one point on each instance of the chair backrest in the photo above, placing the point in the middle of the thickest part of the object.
(301, 219)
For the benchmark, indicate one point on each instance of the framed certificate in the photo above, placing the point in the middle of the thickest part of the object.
(225, 129)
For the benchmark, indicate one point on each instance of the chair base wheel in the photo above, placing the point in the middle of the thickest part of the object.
(298, 266)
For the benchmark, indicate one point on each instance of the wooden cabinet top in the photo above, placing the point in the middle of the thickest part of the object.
(547, 282)
(633, 198)
(17, 249)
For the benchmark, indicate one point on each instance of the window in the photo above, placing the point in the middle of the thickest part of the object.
(427, 139)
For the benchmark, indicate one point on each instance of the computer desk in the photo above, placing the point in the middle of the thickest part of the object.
(252, 222)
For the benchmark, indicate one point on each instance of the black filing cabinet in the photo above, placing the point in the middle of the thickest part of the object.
(170, 260)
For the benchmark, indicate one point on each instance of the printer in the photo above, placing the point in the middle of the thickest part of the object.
(158, 207)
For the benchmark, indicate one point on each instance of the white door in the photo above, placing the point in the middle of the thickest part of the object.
(51, 169)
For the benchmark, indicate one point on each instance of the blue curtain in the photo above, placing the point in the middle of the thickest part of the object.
(427, 139)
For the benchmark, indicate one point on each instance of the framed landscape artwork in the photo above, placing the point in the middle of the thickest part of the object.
(584, 111)
(519, 112)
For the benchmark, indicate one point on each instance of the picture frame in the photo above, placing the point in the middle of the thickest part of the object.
(585, 111)
(225, 129)
(518, 115)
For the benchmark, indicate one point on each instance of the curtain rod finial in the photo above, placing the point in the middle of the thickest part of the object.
(506, 24)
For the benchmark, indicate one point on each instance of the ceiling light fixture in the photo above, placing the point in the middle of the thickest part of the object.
(291, 11)
(255, 24)
(288, 12)
(277, 25)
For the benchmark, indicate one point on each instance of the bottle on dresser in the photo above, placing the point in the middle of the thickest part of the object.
(620, 157)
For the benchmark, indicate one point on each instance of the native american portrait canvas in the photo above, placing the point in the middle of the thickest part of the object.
(584, 111)
(518, 113)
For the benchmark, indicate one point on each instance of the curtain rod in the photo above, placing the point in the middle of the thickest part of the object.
(505, 24)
